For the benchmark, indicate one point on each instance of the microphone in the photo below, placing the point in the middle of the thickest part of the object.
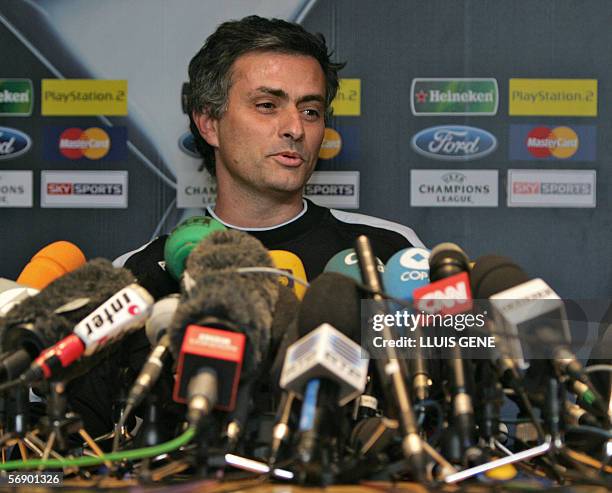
(292, 264)
(532, 307)
(492, 274)
(209, 366)
(284, 332)
(121, 314)
(40, 321)
(406, 271)
(222, 327)
(12, 293)
(449, 293)
(346, 262)
(390, 367)
(51, 262)
(183, 239)
(325, 366)
(156, 327)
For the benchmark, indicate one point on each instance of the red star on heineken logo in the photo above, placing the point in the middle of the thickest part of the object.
(421, 96)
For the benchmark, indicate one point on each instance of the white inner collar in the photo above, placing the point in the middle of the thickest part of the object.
(212, 213)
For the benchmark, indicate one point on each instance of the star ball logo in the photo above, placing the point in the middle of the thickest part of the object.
(441, 96)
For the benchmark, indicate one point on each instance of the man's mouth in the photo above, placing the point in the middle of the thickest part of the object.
(289, 158)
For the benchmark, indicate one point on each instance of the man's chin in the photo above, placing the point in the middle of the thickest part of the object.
(286, 189)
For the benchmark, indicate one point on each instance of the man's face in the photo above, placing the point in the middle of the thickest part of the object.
(268, 139)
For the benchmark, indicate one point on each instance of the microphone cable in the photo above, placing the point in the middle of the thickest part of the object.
(135, 454)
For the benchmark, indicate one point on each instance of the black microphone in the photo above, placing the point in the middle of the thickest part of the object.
(449, 293)
(284, 332)
(390, 367)
(532, 311)
(326, 366)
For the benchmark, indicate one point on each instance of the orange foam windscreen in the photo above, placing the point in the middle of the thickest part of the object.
(51, 262)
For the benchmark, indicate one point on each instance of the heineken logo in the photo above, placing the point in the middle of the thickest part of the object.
(16, 97)
(454, 97)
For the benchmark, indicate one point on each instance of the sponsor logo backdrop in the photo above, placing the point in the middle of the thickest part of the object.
(511, 77)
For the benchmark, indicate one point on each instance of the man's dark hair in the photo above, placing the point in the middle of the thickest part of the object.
(210, 75)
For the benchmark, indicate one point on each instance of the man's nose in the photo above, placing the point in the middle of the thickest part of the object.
(292, 124)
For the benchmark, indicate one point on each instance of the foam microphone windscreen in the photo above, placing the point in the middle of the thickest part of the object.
(493, 274)
(184, 238)
(245, 300)
(228, 250)
(334, 299)
(54, 311)
(51, 262)
(289, 262)
(284, 318)
(284, 330)
(447, 259)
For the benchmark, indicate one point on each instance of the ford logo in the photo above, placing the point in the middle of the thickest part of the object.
(187, 145)
(454, 143)
(13, 143)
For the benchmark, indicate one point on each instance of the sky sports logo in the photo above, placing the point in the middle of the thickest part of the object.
(441, 96)
(84, 188)
(330, 189)
(89, 144)
(531, 142)
(334, 189)
(551, 188)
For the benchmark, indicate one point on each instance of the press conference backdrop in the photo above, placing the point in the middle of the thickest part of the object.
(482, 122)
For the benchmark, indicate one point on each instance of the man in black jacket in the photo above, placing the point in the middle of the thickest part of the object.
(260, 91)
(259, 94)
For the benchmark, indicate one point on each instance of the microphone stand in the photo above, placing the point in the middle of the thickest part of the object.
(59, 423)
(552, 445)
(393, 369)
(489, 403)
(19, 423)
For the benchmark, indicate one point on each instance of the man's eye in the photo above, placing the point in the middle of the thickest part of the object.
(265, 106)
(312, 114)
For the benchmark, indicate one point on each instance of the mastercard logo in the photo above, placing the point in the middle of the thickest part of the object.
(92, 143)
(332, 144)
(560, 142)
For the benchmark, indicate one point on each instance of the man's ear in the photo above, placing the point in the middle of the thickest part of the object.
(208, 127)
